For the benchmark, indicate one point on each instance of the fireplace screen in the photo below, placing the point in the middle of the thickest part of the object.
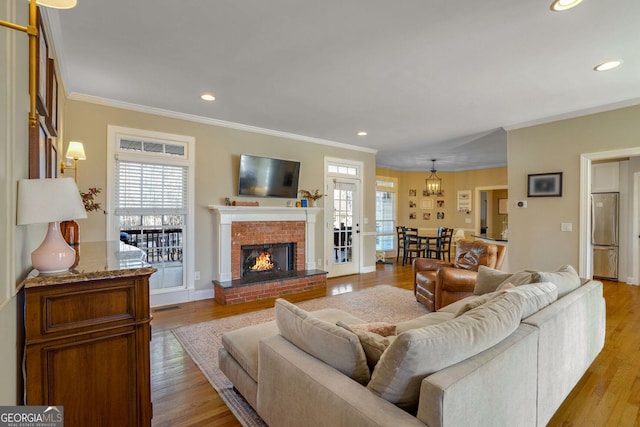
(267, 258)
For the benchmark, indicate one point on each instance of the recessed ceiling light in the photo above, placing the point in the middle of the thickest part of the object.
(207, 97)
(560, 5)
(609, 65)
(362, 133)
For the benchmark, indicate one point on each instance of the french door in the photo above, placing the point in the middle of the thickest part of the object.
(342, 213)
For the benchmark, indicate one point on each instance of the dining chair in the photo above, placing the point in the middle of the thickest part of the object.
(399, 241)
(443, 244)
(413, 245)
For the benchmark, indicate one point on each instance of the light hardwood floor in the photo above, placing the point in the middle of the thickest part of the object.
(607, 395)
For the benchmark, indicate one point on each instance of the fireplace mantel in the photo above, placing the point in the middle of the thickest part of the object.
(226, 215)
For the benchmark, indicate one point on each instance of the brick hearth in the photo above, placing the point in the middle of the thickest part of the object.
(306, 280)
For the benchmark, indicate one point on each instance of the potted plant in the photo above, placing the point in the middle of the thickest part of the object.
(312, 197)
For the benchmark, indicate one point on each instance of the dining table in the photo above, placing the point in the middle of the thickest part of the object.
(418, 243)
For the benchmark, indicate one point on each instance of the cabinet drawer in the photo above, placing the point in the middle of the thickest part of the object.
(82, 308)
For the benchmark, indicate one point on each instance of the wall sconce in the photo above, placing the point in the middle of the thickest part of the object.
(75, 151)
(32, 32)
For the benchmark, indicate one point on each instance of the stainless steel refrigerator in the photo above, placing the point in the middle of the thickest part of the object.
(604, 235)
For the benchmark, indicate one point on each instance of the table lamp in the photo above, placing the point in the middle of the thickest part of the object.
(50, 201)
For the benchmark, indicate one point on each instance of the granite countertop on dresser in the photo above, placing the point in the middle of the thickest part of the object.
(97, 260)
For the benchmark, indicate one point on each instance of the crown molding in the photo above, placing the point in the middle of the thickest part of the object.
(214, 122)
(574, 114)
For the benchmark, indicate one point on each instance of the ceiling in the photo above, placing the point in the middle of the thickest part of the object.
(426, 79)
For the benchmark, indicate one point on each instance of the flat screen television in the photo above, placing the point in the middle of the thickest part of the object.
(266, 177)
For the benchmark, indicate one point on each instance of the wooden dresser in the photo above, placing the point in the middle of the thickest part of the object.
(87, 338)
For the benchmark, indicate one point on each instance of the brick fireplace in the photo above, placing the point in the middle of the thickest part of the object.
(258, 228)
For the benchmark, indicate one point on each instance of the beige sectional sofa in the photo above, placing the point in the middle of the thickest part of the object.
(508, 357)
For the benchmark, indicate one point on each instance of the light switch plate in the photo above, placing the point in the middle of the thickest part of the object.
(566, 226)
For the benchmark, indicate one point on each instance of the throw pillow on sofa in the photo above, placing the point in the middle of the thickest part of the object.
(489, 279)
(536, 296)
(416, 353)
(381, 328)
(335, 346)
(565, 278)
(372, 343)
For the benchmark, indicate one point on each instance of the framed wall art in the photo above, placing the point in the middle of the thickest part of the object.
(43, 62)
(426, 203)
(545, 185)
(502, 206)
(52, 99)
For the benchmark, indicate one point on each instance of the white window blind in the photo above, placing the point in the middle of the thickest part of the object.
(147, 188)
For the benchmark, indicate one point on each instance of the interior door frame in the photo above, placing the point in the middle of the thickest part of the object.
(328, 213)
(585, 256)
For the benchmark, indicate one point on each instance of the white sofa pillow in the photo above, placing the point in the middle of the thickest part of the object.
(489, 279)
(335, 346)
(419, 352)
(536, 296)
(565, 278)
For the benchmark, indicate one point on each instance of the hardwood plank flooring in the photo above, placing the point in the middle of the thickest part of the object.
(607, 395)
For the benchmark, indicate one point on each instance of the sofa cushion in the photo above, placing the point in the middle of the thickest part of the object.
(372, 343)
(536, 296)
(242, 343)
(335, 346)
(475, 302)
(422, 321)
(419, 352)
(380, 328)
(565, 278)
(489, 279)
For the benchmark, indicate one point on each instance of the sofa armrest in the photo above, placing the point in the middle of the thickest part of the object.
(422, 264)
(495, 387)
(453, 284)
(295, 387)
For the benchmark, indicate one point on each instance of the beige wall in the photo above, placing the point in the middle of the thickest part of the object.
(535, 239)
(452, 182)
(216, 169)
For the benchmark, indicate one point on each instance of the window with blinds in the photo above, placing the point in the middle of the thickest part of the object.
(146, 188)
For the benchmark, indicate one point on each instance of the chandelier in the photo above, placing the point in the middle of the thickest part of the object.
(434, 182)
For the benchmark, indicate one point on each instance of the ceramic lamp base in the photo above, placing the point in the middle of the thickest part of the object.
(54, 255)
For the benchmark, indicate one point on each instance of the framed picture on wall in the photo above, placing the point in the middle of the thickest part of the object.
(502, 206)
(52, 99)
(545, 185)
(43, 62)
(426, 203)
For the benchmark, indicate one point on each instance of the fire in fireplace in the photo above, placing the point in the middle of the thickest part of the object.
(272, 257)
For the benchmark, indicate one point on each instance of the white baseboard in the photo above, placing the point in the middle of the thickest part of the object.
(178, 297)
(367, 269)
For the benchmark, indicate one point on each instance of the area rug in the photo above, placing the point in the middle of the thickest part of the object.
(202, 340)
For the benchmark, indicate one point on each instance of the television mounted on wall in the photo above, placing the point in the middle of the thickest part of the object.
(267, 177)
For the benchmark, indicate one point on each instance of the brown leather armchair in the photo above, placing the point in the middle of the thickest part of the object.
(438, 283)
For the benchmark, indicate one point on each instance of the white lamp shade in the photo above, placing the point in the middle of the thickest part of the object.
(75, 151)
(57, 4)
(47, 200)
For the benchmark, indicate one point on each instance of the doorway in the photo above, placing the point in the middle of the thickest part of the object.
(585, 268)
(343, 218)
(490, 209)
